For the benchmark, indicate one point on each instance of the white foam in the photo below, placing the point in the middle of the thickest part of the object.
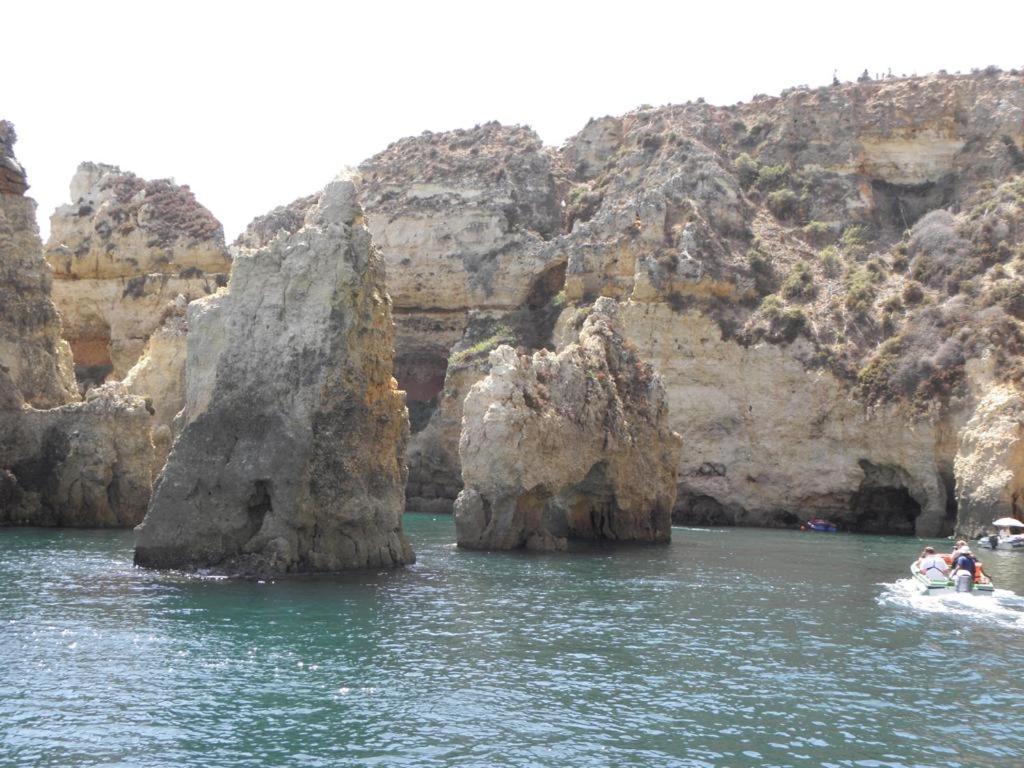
(1003, 607)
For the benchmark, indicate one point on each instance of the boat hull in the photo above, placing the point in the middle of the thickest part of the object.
(928, 586)
(1002, 543)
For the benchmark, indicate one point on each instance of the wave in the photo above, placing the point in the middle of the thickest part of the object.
(1004, 608)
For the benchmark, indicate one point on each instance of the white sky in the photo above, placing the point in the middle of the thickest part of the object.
(253, 104)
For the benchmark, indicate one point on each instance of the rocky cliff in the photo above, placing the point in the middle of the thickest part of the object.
(574, 445)
(35, 363)
(291, 452)
(847, 249)
(462, 219)
(62, 462)
(122, 252)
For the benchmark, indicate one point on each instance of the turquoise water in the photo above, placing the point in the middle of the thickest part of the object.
(726, 648)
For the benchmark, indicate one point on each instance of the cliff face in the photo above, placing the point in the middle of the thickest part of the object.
(122, 251)
(811, 275)
(848, 249)
(61, 462)
(568, 446)
(35, 363)
(462, 218)
(291, 453)
(85, 464)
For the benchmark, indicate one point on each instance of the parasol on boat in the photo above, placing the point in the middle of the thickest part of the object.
(1007, 522)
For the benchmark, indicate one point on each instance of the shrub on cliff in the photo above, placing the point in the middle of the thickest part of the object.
(782, 203)
(860, 291)
(938, 250)
(799, 286)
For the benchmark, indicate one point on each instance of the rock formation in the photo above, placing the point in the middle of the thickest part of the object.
(291, 452)
(796, 269)
(122, 252)
(462, 218)
(35, 364)
(159, 377)
(574, 445)
(990, 455)
(61, 462)
(85, 464)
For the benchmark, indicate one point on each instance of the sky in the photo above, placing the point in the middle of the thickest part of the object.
(253, 104)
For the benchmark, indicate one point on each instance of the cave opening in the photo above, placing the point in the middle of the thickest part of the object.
(883, 504)
(92, 358)
(535, 320)
(257, 507)
(899, 206)
(591, 507)
(421, 375)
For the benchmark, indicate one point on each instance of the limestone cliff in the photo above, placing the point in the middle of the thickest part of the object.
(85, 464)
(35, 364)
(61, 462)
(462, 218)
(291, 453)
(811, 274)
(159, 377)
(568, 446)
(990, 454)
(122, 251)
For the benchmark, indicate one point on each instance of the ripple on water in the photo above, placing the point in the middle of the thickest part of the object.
(708, 652)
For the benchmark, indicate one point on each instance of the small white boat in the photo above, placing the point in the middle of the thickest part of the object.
(1010, 536)
(982, 586)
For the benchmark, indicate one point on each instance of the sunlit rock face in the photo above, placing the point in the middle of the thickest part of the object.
(62, 462)
(784, 265)
(35, 363)
(990, 455)
(292, 443)
(122, 252)
(573, 445)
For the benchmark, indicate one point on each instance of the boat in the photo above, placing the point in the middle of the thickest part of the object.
(1010, 536)
(983, 585)
(822, 526)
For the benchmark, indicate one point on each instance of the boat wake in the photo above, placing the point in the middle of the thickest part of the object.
(1003, 608)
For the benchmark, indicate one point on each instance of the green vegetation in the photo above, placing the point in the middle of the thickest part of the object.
(782, 203)
(746, 169)
(817, 232)
(860, 291)
(772, 176)
(830, 261)
(854, 240)
(799, 286)
(501, 335)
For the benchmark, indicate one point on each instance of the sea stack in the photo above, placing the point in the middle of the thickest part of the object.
(574, 445)
(291, 451)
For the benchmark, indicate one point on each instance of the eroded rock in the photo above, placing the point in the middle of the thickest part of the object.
(61, 462)
(568, 446)
(291, 452)
(122, 252)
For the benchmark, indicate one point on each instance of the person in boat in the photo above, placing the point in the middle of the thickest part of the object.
(959, 547)
(964, 561)
(932, 565)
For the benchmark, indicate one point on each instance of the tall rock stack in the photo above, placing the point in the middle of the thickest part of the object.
(291, 457)
(62, 462)
(574, 445)
(35, 363)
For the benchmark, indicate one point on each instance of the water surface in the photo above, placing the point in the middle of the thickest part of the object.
(727, 648)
